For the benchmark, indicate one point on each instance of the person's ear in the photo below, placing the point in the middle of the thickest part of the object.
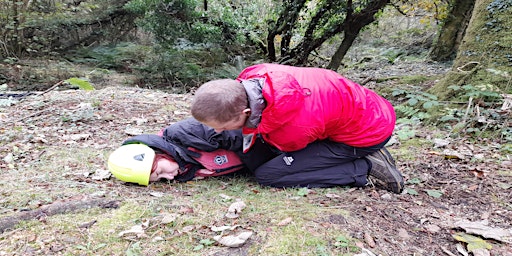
(247, 111)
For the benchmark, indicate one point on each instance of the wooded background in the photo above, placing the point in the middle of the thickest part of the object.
(182, 43)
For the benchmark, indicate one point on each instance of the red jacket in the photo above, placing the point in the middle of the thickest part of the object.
(308, 104)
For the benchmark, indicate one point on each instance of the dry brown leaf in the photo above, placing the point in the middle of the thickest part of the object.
(369, 240)
(285, 222)
(403, 234)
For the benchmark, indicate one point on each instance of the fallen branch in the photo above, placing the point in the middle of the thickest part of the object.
(71, 205)
(51, 88)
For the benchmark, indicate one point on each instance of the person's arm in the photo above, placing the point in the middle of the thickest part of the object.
(192, 133)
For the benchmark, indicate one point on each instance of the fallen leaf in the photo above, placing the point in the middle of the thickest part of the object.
(133, 131)
(369, 240)
(233, 241)
(481, 228)
(186, 209)
(504, 185)
(434, 193)
(462, 250)
(403, 233)
(472, 241)
(411, 191)
(188, 228)
(481, 252)
(452, 154)
(156, 194)
(9, 158)
(332, 196)
(285, 222)
(87, 224)
(479, 174)
(167, 218)
(78, 137)
(439, 143)
(225, 197)
(137, 231)
(234, 209)
(432, 228)
(101, 174)
(157, 239)
(473, 187)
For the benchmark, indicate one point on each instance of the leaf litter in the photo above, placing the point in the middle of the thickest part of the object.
(447, 185)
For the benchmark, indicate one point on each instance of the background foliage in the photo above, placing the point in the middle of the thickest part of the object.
(178, 44)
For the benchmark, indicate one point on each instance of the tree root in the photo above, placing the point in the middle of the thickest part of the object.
(70, 205)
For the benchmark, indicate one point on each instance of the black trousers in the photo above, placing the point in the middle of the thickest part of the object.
(321, 164)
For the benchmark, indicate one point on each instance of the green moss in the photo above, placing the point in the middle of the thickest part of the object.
(414, 79)
(407, 151)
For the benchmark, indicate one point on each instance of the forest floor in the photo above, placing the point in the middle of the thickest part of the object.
(54, 147)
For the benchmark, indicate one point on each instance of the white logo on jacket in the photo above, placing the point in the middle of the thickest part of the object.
(220, 160)
(288, 160)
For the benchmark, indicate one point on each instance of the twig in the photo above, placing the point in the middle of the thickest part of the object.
(366, 80)
(447, 251)
(51, 88)
(470, 66)
(470, 103)
(31, 115)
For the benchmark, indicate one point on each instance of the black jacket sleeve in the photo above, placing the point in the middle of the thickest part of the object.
(190, 132)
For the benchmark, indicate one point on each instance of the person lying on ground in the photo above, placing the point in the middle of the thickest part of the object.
(182, 151)
(330, 131)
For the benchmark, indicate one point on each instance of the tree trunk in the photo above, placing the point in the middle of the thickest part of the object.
(485, 54)
(342, 50)
(452, 31)
(284, 25)
(352, 26)
(355, 20)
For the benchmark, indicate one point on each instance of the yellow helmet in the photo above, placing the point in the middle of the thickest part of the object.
(132, 163)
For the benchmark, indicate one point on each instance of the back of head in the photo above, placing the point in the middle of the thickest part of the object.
(132, 163)
(219, 100)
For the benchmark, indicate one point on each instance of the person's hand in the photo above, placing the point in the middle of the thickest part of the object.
(204, 172)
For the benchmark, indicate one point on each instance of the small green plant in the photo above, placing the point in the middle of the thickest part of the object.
(345, 243)
(480, 115)
(417, 98)
(134, 249)
(486, 94)
(204, 243)
(416, 104)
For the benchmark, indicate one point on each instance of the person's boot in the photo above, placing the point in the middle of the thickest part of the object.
(383, 172)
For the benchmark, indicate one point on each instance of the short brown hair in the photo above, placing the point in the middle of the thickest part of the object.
(219, 100)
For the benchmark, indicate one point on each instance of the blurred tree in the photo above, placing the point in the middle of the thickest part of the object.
(452, 30)
(484, 58)
(35, 28)
(303, 26)
(353, 24)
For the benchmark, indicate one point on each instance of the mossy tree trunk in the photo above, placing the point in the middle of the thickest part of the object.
(485, 54)
(452, 31)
